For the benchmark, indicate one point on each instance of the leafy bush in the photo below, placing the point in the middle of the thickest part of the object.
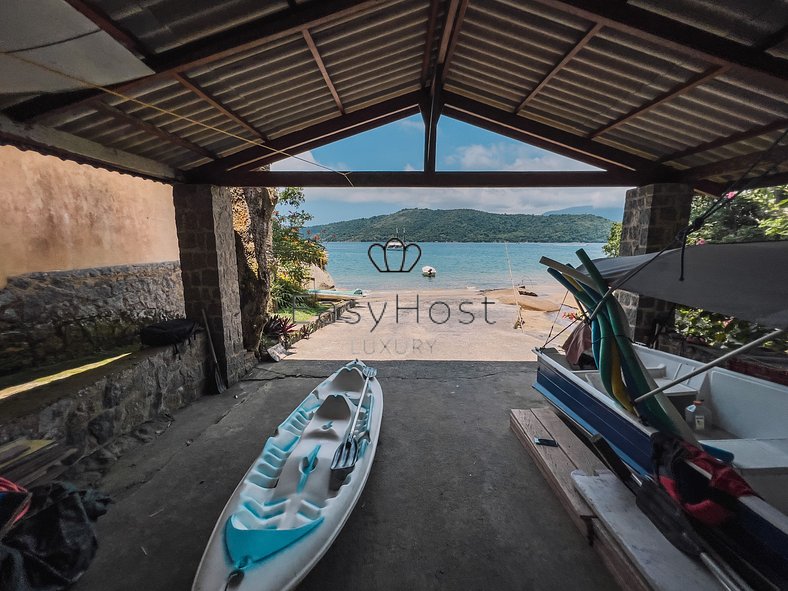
(613, 246)
(760, 214)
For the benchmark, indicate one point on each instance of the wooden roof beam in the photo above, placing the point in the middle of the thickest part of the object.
(697, 80)
(428, 179)
(322, 67)
(729, 139)
(541, 135)
(590, 34)
(66, 145)
(106, 24)
(430, 40)
(316, 135)
(205, 51)
(198, 90)
(451, 33)
(132, 121)
(674, 35)
(776, 155)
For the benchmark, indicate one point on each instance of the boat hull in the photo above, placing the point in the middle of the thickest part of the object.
(766, 528)
(304, 476)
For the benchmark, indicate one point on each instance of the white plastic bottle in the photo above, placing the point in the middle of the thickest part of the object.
(698, 417)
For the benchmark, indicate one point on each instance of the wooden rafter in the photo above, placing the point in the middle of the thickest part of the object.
(66, 145)
(322, 67)
(590, 34)
(541, 135)
(674, 35)
(736, 164)
(316, 135)
(103, 22)
(198, 90)
(205, 51)
(132, 121)
(727, 140)
(434, 107)
(429, 179)
(454, 35)
(430, 40)
(693, 82)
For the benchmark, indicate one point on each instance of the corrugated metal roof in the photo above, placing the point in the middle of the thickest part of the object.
(503, 55)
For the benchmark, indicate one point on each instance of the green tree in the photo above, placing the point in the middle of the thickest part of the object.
(293, 251)
(760, 214)
(613, 246)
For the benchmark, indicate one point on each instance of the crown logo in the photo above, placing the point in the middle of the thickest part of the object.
(397, 251)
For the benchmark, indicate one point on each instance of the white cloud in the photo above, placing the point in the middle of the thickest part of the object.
(510, 157)
(409, 167)
(510, 200)
(411, 124)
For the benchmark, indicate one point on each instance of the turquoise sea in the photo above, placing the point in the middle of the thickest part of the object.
(459, 264)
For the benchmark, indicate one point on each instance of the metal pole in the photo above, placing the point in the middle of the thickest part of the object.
(715, 363)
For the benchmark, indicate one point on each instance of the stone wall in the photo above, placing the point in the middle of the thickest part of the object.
(95, 410)
(653, 215)
(203, 216)
(55, 316)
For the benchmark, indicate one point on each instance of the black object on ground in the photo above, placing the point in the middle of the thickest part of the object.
(54, 544)
(217, 376)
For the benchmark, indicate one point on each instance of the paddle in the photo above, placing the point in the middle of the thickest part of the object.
(346, 456)
(217, 376)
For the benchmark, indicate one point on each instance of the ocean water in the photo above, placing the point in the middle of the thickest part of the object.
(471, 265)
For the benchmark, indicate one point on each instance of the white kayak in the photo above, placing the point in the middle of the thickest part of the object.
(284, 515)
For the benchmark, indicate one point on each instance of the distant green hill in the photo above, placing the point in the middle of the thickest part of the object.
(468, 225)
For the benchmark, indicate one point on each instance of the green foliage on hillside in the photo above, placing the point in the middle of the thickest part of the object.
(468, 225)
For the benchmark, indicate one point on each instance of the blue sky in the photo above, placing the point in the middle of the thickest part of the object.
(400, 146)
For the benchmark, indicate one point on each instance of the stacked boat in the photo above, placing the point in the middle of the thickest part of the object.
(636, 396)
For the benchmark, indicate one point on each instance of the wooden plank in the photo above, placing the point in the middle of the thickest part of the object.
(15, 451)
(81, 150)
(407, 178)
(577, 451)
(616, 561)
(664, 567)
(553, 463)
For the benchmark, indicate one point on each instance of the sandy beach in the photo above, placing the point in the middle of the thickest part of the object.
(441, 324)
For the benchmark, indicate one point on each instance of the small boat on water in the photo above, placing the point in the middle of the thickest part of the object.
(293, 501)
(428, 271)
(336, 294)
(617, 400)
(396, 243)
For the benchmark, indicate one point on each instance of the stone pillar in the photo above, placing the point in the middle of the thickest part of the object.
(653, 215)
(203, 216)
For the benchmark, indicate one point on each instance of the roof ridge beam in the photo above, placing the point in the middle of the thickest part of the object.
(429, 41)
(697, 80)
(455, 15)
(675, 35)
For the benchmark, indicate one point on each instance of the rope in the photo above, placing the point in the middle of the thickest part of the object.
(520, 320)
(171, 113)
(555, 319)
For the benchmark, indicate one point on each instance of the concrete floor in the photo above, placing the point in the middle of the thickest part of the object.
(453, 501)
